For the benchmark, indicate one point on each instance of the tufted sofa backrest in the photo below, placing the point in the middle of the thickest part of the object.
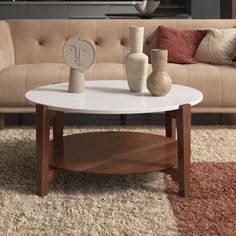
(41, 41)
(6, 46)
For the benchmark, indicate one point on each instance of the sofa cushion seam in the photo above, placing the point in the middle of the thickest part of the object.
(220, 70)
(187, 74)
(26, 72)
(59, 74)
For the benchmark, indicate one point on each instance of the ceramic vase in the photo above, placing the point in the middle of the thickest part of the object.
(136, 62)
(159, 82)
(147, 6)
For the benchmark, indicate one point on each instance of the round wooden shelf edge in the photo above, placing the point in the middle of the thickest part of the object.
(114, 152)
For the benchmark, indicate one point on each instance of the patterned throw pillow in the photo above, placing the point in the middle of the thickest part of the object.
(181, 44)
(218, 47)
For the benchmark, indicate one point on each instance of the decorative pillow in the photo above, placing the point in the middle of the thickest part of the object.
(218, 47)
(181, 44)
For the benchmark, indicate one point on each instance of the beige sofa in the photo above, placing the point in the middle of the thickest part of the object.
(30, 56)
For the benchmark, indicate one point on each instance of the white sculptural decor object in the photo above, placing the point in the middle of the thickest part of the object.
(147, 6)
(79, 54)
(159, 82)
(136, 62)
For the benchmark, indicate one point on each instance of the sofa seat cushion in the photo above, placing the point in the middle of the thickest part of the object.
(16, 80)
(216, 82)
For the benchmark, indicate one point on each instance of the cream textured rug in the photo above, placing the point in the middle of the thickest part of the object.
(82, 204)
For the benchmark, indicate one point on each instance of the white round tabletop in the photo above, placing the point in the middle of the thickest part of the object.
(111, 97)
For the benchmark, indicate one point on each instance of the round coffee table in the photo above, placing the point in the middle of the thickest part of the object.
(110, 152)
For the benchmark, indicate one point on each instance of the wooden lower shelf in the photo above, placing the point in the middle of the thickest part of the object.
(114, 152)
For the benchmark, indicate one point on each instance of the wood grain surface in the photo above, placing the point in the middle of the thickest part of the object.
(184, 148)
(42, 149)
(116, 153)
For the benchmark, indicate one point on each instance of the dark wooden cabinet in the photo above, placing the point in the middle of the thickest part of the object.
(198, 9)
(39, 11)
(63, 10)
(10, 11)
(226, 9)
(88, 11)
(233, 9)
(206, 9)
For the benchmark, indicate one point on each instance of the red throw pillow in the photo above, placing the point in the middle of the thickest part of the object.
(181, 44)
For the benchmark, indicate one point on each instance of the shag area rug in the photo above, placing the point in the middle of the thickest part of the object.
(147, 204)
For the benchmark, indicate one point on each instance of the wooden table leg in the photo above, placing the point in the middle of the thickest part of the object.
(170, 128)
(58, 126)
(170, 124)
(42, 149)
(184, 148)
(122, 119)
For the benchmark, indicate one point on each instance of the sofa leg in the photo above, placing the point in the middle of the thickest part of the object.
(228, 119)
(2, 123)
(20, 120)
(122, 119)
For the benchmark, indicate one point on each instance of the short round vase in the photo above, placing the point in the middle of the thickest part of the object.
(136, 62)
(147, 6)
(159, 82)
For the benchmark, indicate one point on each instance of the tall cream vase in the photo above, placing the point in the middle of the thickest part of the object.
(136, 62)
(159, 82)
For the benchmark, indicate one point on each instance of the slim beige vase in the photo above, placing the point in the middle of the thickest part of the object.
(159, 82)
(136, 62)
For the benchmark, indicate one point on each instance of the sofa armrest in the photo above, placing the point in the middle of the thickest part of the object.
(7, 55)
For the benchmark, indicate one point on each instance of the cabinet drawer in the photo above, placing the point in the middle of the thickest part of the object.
(47, 11)
(88, 11)
(116, 9)
(13, 12)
